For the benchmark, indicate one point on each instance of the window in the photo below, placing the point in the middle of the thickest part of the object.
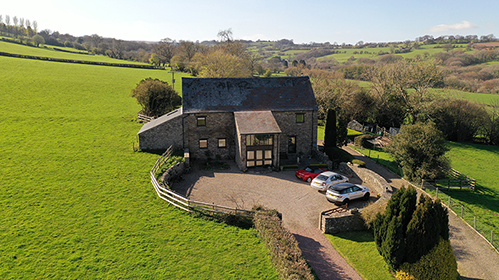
(203, 143)
(201, 121)
(292, 145)
(300, 118)
(259, 140)
(222, 143)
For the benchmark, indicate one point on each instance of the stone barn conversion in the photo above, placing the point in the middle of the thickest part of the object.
(256, 121)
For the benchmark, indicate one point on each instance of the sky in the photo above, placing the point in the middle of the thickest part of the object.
(346, 21)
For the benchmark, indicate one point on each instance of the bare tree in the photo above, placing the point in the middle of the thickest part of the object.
(35, 26)
(225, 35)
(165, 50)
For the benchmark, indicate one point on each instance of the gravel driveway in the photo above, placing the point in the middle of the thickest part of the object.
(299, 204)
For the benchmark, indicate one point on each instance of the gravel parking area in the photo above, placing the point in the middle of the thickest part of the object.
(299, 204)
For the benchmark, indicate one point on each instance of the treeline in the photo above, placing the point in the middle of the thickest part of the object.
(400, 93)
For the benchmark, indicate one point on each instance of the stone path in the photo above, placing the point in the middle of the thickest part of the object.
(476, 259)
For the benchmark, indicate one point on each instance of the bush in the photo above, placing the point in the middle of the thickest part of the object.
(370, 212)
(156, 97)
(284, 250)
(359, 162)
(362, 141)
(439, 263)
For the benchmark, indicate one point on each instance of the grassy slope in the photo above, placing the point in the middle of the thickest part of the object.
(49, 52)
(76, 200)
(359, 250)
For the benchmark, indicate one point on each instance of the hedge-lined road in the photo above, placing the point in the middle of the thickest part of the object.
(299, 204)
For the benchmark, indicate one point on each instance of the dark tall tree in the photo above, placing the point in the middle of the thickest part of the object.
(330, 130)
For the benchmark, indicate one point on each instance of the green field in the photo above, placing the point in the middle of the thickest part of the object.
(476, 161)
(77, 202)
(50, 52)
(359, 250)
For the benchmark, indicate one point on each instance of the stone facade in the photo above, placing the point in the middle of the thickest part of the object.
(305, 132)
(343, 222)
(217, 126)
(162, 133)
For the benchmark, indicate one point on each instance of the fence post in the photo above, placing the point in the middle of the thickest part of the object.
(449, 201)
(474, 222)
(462, 211)
(377, 161)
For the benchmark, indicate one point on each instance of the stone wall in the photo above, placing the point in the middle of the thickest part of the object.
(322, 157)
(173, 173)
(377, 184)
(163, 135)
(342, 222)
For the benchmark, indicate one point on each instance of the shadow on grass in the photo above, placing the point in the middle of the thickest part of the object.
(357, 236)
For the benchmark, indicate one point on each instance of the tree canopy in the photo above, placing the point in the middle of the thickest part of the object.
(156, 97)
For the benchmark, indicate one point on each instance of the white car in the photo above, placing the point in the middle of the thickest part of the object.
(326, 179)
(345, 192)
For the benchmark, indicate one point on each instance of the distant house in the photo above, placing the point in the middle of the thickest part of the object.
(256, 121)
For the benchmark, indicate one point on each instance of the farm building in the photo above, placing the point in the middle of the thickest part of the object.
(256, 121)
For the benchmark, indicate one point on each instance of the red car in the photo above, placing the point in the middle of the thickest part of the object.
(309, 173)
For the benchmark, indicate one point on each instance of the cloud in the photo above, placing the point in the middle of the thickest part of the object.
(464, 25)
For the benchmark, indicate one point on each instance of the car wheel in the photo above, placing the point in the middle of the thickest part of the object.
(309, 179)
(366, 196)
(346, 201)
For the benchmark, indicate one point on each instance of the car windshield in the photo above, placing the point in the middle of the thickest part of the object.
(322, 177)
(308, 169)
(333, 190)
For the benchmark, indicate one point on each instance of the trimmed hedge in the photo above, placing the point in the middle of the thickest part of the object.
(439, 263)
(79, 61)
(362, 141)
(286, 255)
(359, 162)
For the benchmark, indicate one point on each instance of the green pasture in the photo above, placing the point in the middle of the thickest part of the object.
(50, 52)
(359, 250)
(77, 202)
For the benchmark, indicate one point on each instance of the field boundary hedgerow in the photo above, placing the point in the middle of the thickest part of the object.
(140, 66)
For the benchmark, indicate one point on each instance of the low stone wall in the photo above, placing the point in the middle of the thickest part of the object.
(352, 220)
(173, 172)
(342, 222)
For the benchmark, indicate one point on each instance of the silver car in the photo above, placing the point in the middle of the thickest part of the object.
(345, 192)
(326, 179)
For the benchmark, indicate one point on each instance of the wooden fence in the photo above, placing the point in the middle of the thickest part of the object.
(457, 180)
(144, 118)
(185, 203)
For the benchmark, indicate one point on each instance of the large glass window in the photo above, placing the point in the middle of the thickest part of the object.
(259, 140)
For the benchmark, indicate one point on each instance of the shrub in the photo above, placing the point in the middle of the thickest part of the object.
(439, 263)
(362, 141)
(370, 212)
(284, 250)
(359, 162)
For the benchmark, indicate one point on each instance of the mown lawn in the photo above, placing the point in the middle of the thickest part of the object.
(359, 250)
(76, 200)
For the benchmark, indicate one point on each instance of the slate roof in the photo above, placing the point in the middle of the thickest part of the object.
(165, 118)
(247, 94)
(256, 122)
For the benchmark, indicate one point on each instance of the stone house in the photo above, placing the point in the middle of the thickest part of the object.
(256, 121)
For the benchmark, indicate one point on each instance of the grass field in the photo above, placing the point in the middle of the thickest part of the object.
(76, 199)
(359, 250)
(50, 52)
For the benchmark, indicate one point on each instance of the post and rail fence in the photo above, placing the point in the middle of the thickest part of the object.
(187, 204)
